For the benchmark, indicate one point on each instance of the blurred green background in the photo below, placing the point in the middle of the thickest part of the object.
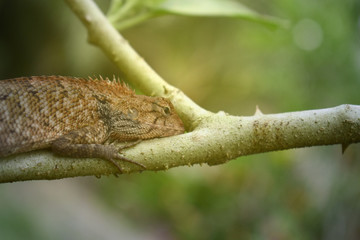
(222, 64)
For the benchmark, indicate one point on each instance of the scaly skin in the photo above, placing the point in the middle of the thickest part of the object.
(76, 117)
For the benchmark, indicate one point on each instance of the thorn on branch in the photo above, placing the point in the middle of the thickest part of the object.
(258, 111)
(344, 146)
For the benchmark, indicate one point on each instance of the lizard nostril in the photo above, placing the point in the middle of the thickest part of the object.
(167, 110)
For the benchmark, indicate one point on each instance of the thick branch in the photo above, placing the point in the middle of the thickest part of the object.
(218, 140)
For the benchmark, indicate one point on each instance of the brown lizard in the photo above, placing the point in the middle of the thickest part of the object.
(76, 117)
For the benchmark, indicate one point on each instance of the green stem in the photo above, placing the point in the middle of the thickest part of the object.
(121, 12)
(114, 6)
(133, 21)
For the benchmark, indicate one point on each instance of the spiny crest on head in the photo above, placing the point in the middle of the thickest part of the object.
(116, 83)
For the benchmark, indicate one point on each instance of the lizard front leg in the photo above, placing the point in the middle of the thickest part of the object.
(82, 143)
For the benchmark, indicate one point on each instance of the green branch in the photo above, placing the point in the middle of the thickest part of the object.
(218, 139)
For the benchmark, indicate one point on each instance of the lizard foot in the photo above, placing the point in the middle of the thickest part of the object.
(119, 157)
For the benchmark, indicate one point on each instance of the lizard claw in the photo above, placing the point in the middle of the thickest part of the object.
(126, 160)
(119, 157)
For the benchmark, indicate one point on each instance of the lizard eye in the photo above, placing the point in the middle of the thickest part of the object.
(166, 110)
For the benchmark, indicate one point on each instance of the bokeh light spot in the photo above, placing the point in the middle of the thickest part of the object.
(307, 34)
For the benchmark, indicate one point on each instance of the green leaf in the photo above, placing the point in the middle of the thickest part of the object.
(126, 13)
(205, 7)
(215, 8)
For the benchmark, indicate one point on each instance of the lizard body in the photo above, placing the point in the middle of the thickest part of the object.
(76, 117)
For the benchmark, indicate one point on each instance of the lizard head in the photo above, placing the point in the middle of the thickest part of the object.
(143, 117)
